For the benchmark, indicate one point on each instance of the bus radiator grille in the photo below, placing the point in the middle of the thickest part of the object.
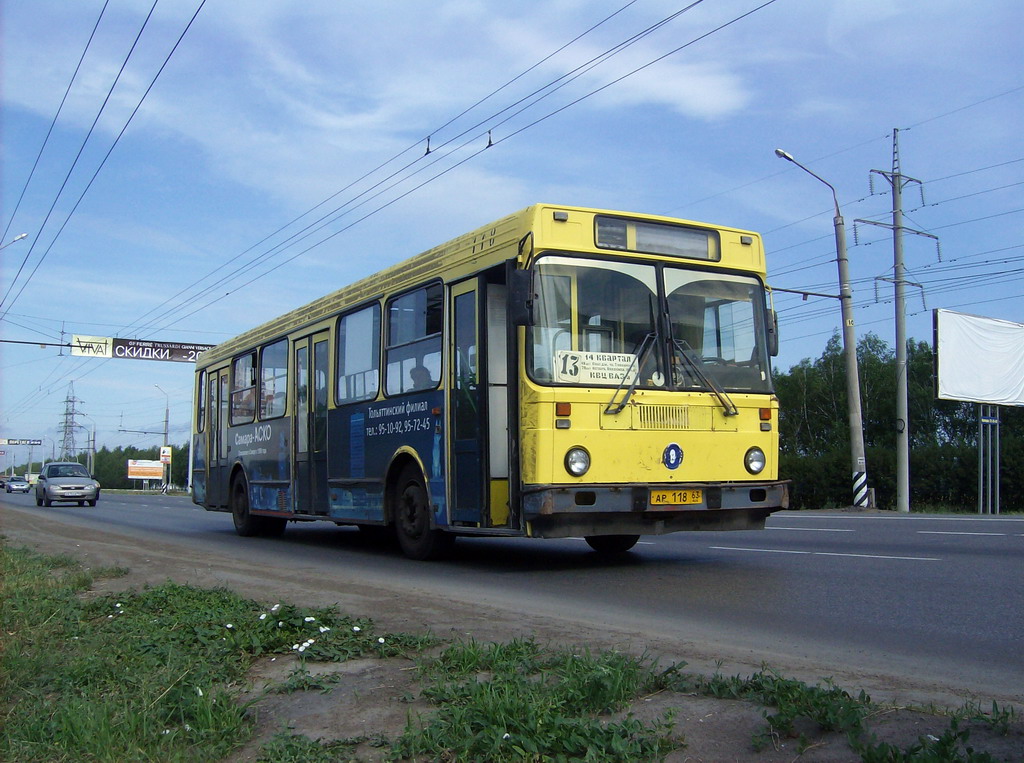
(669, 417)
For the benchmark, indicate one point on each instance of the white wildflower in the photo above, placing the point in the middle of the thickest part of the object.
(275, 608)
(229, 626)
(380, 640)
(302, 648)
(356, 629)
(199, 691)
(507, 736)
(324, 629)
(263, 616)
(309, 619)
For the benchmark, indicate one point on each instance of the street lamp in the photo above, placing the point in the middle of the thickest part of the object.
(19, 237)
(167, 417)
(91, 451)
(859, 462)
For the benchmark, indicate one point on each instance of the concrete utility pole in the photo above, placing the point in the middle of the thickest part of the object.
(902, 396)
(898, 181)
(167, 418)
(855, 417)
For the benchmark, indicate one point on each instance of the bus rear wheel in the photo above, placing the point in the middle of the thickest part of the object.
(246, 524)
(611, 544)
(412, 519)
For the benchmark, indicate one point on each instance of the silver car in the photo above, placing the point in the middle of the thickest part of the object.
(66, 481)
(16, 484)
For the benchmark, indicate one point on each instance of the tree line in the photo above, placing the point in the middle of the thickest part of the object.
(814, 436)
(110, 467)
(814, 432)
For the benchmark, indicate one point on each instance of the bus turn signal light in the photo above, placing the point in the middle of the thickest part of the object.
(563, 409)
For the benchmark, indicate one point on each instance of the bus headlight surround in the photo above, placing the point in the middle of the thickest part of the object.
(755, 460)
(577, 461)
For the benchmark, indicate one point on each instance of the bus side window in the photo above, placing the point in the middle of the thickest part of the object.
(414, 340)
(273, 379)
(359, 355)
(243, 389)
(201, 412)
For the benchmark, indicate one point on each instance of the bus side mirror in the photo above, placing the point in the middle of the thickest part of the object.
(520, 297)
(771, 322)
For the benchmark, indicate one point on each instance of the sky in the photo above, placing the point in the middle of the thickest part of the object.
(167, 193)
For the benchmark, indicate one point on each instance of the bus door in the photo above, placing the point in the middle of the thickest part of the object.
(217, 471)
(466, 408)
(310, 436)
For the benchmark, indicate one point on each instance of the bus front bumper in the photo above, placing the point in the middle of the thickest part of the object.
(563, 511)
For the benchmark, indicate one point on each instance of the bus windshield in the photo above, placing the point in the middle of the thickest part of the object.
(606, 323)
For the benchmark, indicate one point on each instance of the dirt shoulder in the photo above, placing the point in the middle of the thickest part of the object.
(378, 697)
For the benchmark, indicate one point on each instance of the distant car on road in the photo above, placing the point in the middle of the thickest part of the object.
(16, 484)
(66, 481)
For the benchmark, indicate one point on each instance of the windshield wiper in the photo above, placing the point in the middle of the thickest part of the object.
(639, 357)
(696, 365)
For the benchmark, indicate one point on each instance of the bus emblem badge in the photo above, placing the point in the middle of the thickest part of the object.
(673, 456)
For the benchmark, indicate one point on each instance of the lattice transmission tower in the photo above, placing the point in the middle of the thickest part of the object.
(68, 449)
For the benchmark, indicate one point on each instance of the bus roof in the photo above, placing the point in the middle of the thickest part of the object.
(477, 250)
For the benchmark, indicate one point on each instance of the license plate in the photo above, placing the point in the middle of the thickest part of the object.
(684, 497)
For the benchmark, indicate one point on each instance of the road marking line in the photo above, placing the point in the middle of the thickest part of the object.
(812, 529)
(940, 532)
(916, 517)
(828, 553)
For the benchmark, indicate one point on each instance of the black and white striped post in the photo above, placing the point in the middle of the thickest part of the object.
(861, 493)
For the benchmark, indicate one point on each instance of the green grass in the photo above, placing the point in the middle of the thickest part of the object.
(830, 708)
(517, 701)
(157, 675)
(150, 675)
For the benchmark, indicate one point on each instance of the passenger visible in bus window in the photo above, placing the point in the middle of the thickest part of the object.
(421, 378)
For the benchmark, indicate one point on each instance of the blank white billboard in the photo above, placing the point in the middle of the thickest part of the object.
(978, 360)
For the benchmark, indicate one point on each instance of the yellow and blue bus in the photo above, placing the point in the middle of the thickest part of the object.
(561, 372)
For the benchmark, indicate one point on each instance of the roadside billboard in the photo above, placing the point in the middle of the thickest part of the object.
(145, 470)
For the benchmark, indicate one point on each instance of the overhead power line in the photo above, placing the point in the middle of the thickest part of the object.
(53, 122)
(396, 177)
(105, 157)
(74, 164)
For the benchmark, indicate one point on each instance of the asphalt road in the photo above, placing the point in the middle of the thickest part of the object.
(938, 598)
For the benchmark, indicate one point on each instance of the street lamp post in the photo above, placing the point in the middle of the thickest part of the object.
(167, 416)
(91, 450)
(857, 457)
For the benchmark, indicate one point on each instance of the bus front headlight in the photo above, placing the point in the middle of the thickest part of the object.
(755, 460)
(577, 462)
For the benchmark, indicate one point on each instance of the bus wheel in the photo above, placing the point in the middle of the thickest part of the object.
(612, 544)
(412, 519)
(246, 524)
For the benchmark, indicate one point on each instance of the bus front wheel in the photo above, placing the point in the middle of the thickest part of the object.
(412, 519)
(611, 544)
